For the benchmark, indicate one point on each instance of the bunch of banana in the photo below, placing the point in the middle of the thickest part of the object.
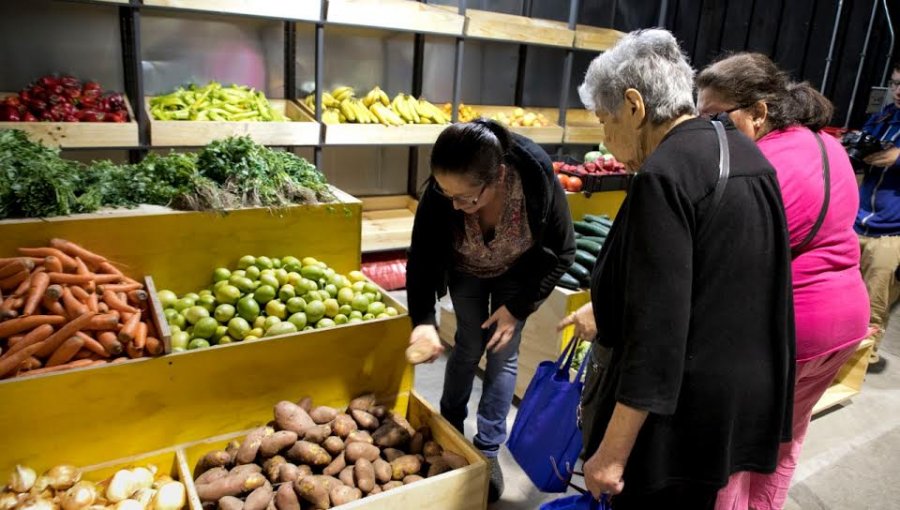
(328, 101)
(355, 111)
(341, 93)
(386, 115)
(405, 106)
(332, 116)
(376, 95)
(429, 113)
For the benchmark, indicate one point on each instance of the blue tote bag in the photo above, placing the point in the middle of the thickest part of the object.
(579, 502)
(545, 439)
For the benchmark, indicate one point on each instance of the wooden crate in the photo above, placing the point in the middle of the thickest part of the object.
(582, 127)
(379, 134)
(849, 380)
(549, 134)
(460, 489)
(387, 222)
(297, 10)
(596, 38)
(517, 29)
(607, 202)
(301, 130)
(70, 135)
(396, 15)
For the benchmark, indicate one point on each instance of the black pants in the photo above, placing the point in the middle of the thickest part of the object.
(683, 496)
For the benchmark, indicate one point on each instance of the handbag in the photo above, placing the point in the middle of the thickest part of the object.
(545, 439)
(826, 176)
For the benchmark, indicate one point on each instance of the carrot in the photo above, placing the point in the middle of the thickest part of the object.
(79, 293)
(90, 258)
(53, 292)
(13, 326)
(140, 335)
(53, 306)
(39, 284)
(110, 343)
(107, 268)
(31, 363)
(70, 279)
(12, 361)
(84, 354)
(13, 340)
(16, 266)
(139, 298)
(53, 265)
(119, 360)
(11, 282)
(93, 302)
(58, 368)
(133, 352)
(92, 345)
(81, 267)
(10, 307)
(62, 334)
(154, 347)
(103, 322)
(114, 302)
(121, 287)
(36, 335)
(73, 307)
(68, 262)
(25, 284)
(129, 330)
(102, 307)
(65, 352)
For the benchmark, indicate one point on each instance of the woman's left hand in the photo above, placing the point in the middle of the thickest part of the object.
(506, 328)
(603, 476)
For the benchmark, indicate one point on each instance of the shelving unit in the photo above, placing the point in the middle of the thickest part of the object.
(404, 15)
(595, 38)
(582, 127)
(518, 29)
(387, 222)
(301, 11)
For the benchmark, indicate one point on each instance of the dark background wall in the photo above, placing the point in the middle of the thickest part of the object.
(795, 33)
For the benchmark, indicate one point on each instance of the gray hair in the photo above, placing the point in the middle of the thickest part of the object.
(649, 61)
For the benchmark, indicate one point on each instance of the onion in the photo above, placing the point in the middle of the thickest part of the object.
(143, 478)
(8, 501)
(169, 497)
(128, 504)
(161, 480)
(63, 476)
(37, 503)
(22, 479)
(121, 487)
(143, 496)
(79, 496)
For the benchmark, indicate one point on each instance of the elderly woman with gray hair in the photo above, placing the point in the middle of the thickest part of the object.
(691, 312)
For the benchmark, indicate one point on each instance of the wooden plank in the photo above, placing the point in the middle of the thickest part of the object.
(301, 130)
(157, 315)
(79, 134)
(596, 38)
(517, 29)
(606, 202)
(582, 127)
(385, 202)
(387, 229)
(549, 134)
(299, 10)
(396, 15)
(379, 134)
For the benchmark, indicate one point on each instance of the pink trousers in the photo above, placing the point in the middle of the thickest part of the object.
(747, 490)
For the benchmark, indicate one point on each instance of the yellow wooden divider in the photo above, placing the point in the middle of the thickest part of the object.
(606, 202)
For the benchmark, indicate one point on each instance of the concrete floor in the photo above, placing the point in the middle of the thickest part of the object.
(850, 460)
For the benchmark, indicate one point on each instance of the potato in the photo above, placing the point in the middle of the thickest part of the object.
(401, 421)
(420, 352)
(232, 449)
(378, 411)
(416, 443)
(355, 451)
(391, 453)
(317, 434)
(213, 474)
(360, 436)
(272, 467)
(260, 498)
(245, 469)
(391, 485)
(391, 435)
(231, 485)
(343, 425)
(404, 466)
(456, 461)
(277, 442)
(411, 478)
(290, 416)
(334, 445)
(323, 414)
(286, 498)
(383, 472)
(230, 503)
(342, 494)
(364, 419)
(271, 505)
(336, 466)
(346, 477)
(430, 449)
(364, 474)
(315, 489)
(363, 402)
(250, 446)
(308, 453)
(289, 472)
(438, 466)
(305, 403)
(425, 430)
(215, 458)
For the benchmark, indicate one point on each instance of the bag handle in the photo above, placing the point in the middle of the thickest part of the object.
(724, 172)
(564, 363)
(826, 176)
(600, 504)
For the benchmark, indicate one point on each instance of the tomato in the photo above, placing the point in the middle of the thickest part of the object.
(556, 166)
(574, 184)
(563, 180)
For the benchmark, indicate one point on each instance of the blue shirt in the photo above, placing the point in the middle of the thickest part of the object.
(879, 194)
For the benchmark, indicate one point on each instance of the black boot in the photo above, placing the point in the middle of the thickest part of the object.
(495, 485)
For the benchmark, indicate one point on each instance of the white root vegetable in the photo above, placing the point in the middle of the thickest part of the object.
(8, 501)
(170, 496)
(143, 477)
(22, 479)
(80, 496)
(122, 486)
(37, 503)
(143, 496)
(128, 504)
(63, 476)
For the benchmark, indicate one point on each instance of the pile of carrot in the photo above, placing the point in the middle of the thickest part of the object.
(63, 307)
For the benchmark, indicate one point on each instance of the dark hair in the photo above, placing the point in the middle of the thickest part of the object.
(474, 148)
(746, 78)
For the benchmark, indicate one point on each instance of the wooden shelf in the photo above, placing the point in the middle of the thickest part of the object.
(549, 134)
(298, 10)
(68, 135)
(517, 29)
(404, 15)
(595, 38)
(582, 127)
(379, 134)
(387, 222)
(849, 380)
(303, 130)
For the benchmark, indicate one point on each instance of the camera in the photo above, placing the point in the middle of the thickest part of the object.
(861, 145)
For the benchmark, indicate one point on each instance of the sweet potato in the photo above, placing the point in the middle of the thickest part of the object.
(360, 436)
(215, 458)
(290, 416)
(355, 451)
(315, 489)
(333, 445)
(378, 411)
(456, 461)
(405, 466)
(323, 414)
(308, 453)
(430, 449)
(305, 403)
(342, 494)
(409, 479)
(364, 419)
(437, 466)
(383, 472)
(231, 485)
(416, 443)
(260, 498)
(230, 503)
(272, 467)
(391, 485)
(317, 434)
(286, 498)
(290, 473)
(210, 475)
(391, 453)
(250, 446)
(346, 476)
(362, 402)
(276, 442)
(390, 434)
(364, 474)
(232, 448)
(245, 469)
(343, 425)
(336, 466)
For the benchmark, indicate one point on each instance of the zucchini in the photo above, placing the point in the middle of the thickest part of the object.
(580, 273)
(568, 281)
(578, 236)
(598, 240)
(600, 220)
(585, 259)
(591, 229)
(588, 246)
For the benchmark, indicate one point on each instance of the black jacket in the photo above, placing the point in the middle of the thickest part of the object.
(431, 252)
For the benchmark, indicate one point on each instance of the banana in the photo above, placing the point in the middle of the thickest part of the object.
(331, 116)
(362, 113)
(402, 108)
(383, 97)
(329, 101)
(347, 110)
(423, 110)
(371, 97)
(387, 115)
(411, 105)
(341, 93)
(437, 115)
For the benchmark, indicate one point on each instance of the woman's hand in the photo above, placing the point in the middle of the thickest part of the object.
(506, 328)
(603, 476)
(424, 345)
(884, 158)
(583, 320)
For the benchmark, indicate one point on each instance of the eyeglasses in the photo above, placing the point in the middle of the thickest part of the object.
(467, 200)
(894, 84)
(713, 115)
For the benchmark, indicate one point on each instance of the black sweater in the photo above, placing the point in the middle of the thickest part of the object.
(431, 252)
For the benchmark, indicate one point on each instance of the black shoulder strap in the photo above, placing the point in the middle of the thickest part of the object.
(826, 176)
(724, 172)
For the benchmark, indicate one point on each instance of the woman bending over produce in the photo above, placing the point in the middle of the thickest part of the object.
(493, 226)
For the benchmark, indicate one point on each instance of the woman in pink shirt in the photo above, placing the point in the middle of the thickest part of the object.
(821, 199)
